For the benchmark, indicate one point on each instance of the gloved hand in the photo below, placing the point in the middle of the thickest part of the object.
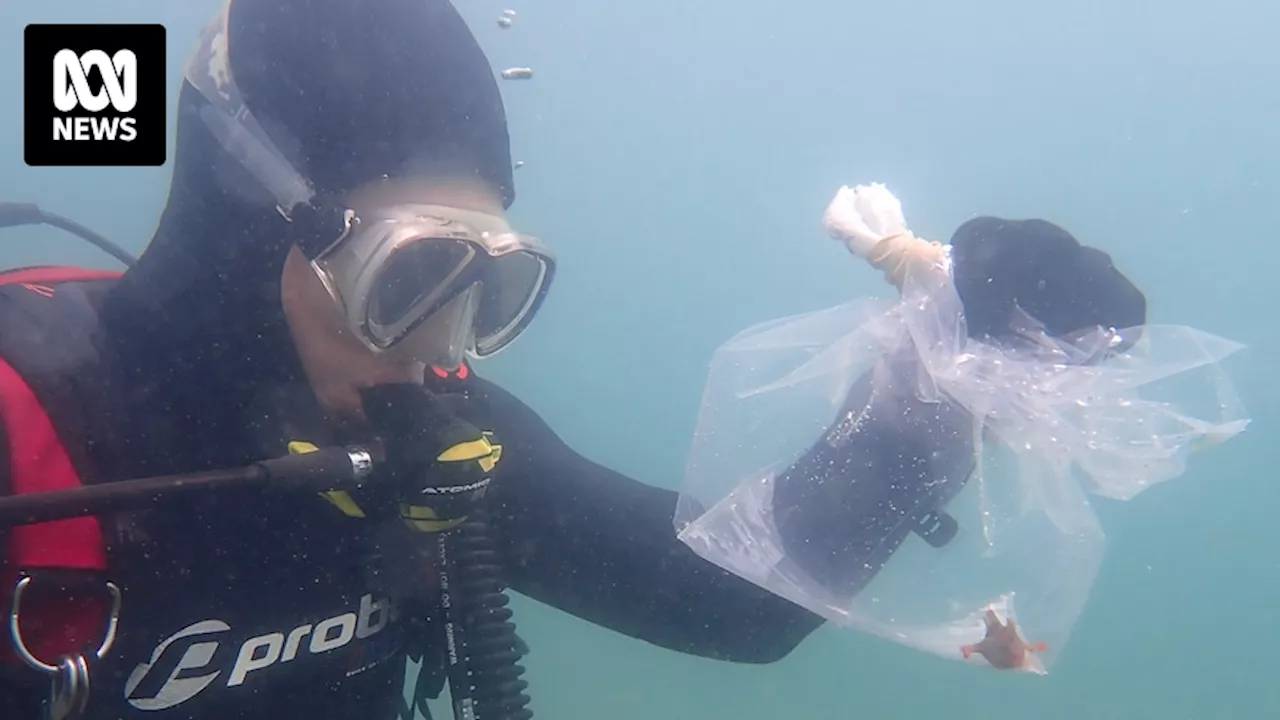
(1005, 266)
(440, 464)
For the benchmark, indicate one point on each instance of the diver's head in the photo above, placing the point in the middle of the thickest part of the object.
(1007, 271)
(363, 143)
(310, 132)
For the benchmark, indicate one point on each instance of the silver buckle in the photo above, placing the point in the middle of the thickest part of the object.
(69, 679)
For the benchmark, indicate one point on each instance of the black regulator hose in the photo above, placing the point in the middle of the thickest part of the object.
(484, 651)
(14, 214)
(334, 468)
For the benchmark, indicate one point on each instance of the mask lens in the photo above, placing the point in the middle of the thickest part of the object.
(416, 277)
(511, 286)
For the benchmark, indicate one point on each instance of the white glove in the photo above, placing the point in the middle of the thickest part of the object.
(862, 216)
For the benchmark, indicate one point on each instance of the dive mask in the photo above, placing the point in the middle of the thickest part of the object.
(434, 283)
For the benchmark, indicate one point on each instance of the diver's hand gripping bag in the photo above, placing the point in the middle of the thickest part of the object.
(874, 464)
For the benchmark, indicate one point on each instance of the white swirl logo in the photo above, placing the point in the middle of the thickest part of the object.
(71, 81)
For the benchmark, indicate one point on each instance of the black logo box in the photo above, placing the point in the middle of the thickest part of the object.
(41, 43)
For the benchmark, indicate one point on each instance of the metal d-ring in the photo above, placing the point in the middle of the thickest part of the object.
(69, 689)
(20, 646)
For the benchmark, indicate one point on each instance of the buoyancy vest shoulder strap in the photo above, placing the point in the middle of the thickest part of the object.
(46, 324)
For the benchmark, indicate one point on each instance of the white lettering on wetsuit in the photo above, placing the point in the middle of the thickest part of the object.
(188, 661)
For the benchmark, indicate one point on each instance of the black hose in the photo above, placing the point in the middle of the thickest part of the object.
(16, 214)
(486, 675)
(332, 468)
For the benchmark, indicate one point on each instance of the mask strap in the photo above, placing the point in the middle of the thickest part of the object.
(317, 226)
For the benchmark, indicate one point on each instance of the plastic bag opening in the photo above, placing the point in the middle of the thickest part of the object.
(873, 464)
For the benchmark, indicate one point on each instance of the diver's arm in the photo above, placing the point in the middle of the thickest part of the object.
(887, 467)
(601, 546)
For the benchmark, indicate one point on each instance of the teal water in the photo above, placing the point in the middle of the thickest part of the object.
(679, 156)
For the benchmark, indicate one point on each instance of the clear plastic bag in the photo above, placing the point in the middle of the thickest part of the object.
(835, 451)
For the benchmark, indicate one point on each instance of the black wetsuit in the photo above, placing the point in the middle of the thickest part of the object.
(243, 605)
(282, 604)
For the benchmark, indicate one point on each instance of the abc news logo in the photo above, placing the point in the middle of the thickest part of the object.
(94, 95)
(119, 91)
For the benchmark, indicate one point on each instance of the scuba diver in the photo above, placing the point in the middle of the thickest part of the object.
(333, 249)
